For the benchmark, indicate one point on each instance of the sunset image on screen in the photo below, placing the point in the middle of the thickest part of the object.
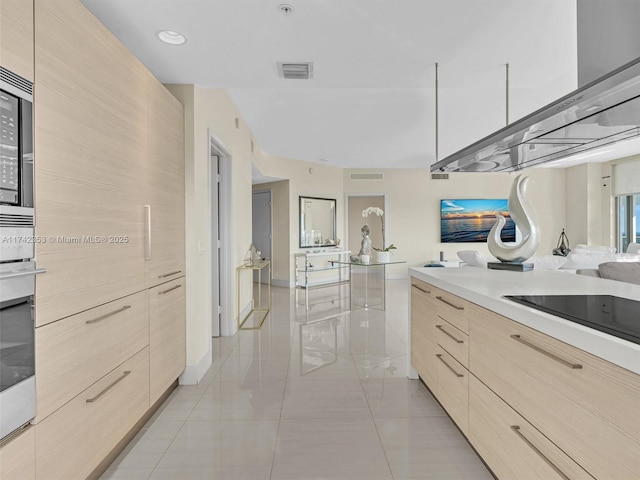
(463, 220)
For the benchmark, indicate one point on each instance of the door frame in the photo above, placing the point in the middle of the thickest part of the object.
(217, 147)
(270, 252)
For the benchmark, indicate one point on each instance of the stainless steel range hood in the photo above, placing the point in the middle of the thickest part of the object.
(602, 112)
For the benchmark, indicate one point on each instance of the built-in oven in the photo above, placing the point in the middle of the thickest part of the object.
(17, 342)
(17, 266)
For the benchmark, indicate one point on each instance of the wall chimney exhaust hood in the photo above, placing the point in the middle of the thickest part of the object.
(601, 113)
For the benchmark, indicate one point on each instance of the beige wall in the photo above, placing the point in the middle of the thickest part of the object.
(586, 195)
(280, 244)
(211, 110)
(309, 180)
(355, 221)
(412, 213)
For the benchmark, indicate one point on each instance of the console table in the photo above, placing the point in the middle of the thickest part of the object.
(320, 269)
(259, 310)
(368, 283)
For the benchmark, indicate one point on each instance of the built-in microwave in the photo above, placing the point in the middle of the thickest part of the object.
(16, 140)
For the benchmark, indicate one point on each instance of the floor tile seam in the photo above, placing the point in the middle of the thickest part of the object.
(275, 446)
(166, 449)
(375, 425)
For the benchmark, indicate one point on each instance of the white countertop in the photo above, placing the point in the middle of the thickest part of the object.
(485, 287)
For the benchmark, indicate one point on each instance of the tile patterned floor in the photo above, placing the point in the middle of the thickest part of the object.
(314, 394)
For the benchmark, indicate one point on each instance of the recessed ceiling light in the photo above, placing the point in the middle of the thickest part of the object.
(324, 160)
(172, 38)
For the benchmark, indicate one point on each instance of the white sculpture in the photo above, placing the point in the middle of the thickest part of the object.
(524, 217)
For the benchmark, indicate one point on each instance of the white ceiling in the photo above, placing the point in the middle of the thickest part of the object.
(371, 101)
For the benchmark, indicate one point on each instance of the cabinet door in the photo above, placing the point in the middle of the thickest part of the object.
(18, 457)
(583, 404)
(167, 335)
(511, 446)
(423, 346)
(16, 37)
(165, 174)
(73, 441)
(90, 148)
(75, 352)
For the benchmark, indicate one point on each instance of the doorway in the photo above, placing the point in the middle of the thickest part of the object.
(219, 215)
(261, 227)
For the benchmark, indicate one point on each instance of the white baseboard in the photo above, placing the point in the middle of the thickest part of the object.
(193, 373)
(277, 282)
(397, 276)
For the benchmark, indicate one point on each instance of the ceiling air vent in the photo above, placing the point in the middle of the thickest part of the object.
(367, 176)
(296, 71)
(439, 176)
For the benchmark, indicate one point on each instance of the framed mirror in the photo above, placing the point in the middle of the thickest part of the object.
(317, 222)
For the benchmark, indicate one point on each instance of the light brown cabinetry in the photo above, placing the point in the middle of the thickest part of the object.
(439, 348)
(423, 345)
(583, 404)
(513, 448)
(16, 37)
(532, 406)
(71, 442)
(165, 176)
(18, 457)
(167, 335)
(75, 352)
(91, 146)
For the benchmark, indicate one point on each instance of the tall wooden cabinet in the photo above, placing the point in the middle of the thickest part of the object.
(109, 193)
(16, 37)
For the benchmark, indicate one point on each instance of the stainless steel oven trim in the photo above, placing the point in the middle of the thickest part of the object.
(17, 406)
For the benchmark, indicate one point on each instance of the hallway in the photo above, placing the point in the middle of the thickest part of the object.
(312, 394)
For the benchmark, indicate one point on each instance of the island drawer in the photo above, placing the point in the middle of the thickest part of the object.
(565, 392)
(453, 340)
(73, 353)
(453, 309)
(510, 445)
(423, 341)
(453, 388)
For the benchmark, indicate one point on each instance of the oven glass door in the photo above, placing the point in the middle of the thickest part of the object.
(17, 338)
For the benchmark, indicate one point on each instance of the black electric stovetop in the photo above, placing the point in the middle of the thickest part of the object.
(613, 315)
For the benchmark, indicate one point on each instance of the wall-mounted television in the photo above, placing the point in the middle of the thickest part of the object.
(470, 220)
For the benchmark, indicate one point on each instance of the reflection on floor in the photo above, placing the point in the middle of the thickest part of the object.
(315, 393)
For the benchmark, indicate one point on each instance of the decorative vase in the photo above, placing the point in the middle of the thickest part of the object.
(384, 257)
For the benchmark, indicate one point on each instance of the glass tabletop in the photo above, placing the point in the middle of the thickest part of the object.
(372, 263)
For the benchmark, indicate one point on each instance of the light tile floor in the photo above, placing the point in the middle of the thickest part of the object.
(314, 394)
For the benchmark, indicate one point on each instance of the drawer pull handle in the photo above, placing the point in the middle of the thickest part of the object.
(459, 375)
(516, 428)
(107, 315)
(169, 274)
(124, 374)
(544, 352)
(450, 304)
(169, 290)
(421, 289)
(441, 328)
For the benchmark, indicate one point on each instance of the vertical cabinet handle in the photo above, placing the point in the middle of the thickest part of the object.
(516, 429)
(147, 232)
(564, 362)
(124, 375)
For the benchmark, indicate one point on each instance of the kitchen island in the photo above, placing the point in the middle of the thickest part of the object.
(537, 396)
